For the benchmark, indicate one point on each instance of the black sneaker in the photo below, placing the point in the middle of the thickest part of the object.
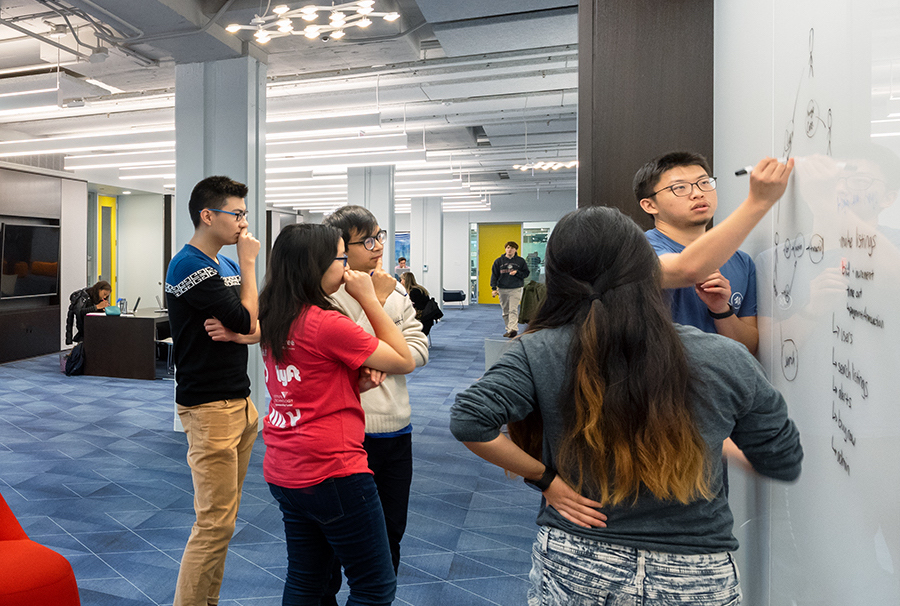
(511, 334)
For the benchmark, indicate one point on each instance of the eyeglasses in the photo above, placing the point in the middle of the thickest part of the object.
(859, 182)
(343, 259)
(238, 216)
(684, 189)
(369, 242)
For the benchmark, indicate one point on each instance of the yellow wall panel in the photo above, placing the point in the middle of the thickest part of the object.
(106, 242)
(492, 239)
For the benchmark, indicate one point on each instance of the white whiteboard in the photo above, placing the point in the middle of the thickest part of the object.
(820, 80)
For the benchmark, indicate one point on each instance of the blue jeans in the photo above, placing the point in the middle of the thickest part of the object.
(339, 517)
(390, 459)
(573, 571)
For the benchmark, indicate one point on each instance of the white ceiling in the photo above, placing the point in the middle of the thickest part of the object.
(488, 85)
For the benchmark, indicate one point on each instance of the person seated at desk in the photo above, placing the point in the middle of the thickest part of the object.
(401, 268)
(83, 302)
(420, 298)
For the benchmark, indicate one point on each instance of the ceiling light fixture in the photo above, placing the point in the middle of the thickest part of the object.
(357, 13)
(554, 165)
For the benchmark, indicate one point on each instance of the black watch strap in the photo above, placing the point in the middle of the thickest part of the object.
(723, 315)
(544, 482)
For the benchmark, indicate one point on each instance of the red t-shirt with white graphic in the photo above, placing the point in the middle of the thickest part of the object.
(316, 426)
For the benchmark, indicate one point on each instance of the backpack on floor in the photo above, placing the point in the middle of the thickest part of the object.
(75, 361)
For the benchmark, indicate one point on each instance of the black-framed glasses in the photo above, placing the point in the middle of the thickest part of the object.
(684, 189)
(859, 182)
(369, 242)
(238, 216)
(342, 259)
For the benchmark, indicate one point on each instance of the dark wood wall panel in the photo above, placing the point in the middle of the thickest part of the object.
(645, 88)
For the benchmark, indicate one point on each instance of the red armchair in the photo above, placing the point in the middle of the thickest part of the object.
(30, 573)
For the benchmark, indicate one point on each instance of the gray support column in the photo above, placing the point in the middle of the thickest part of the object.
(426, 244)
(220, 120)
(373, 187)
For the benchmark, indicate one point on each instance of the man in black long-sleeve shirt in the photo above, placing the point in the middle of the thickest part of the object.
(507, 281)
(212, 387)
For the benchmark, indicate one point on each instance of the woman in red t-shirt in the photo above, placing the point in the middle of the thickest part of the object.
(315, 463)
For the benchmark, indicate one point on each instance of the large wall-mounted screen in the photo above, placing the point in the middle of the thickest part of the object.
(29, 265)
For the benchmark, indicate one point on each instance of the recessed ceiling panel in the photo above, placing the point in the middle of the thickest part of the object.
(436, 11)
(504, 34)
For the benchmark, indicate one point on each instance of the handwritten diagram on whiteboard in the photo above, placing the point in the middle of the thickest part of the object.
(830, 287)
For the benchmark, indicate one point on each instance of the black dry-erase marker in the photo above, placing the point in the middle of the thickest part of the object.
(749, 169)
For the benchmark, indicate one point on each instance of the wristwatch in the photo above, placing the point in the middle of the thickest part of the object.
(544, 482)
(723, 315)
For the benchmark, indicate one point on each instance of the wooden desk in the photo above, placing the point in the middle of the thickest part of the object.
(121, 346)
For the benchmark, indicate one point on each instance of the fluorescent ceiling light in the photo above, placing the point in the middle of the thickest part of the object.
(16, 102)
(413, 186)
(406, 180)
(301, 175)
(36, 112)
(154, 158)
(285, 126)
(336, 145)
(86, 164)
(312, 198)
(310, 206)
(304, 187)
(86, 143)
(29, 92)
(150, 155)
(403, 173)
(308, 194)
(415, 156)
(149, 175)
(147, 172)
(30, 68)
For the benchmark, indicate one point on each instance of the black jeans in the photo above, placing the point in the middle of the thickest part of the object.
(390, 459)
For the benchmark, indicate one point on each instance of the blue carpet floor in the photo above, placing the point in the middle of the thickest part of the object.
(92, 469)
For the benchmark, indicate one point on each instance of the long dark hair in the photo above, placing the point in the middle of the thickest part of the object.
(627, 421)
(301, 255)
(408, 280)
(94, 291)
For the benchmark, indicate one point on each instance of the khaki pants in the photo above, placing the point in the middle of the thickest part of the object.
(220, 438)
(509, 305)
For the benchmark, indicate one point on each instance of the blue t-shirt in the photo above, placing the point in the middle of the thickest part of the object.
(688, 309)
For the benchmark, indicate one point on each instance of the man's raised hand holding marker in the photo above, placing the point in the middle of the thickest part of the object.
(714, 284)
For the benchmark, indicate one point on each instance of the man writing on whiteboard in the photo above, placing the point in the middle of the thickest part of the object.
(713, 285)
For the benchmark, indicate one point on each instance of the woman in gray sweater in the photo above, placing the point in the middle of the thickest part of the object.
(618, 416)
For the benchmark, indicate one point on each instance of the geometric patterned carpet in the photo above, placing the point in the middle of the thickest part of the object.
(92, 469)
